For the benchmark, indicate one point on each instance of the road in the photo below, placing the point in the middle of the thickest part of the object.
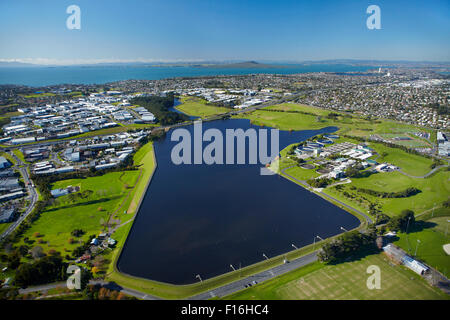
(424, 176)
(109, 285)
(259, 277)
(32, 194)
(306, 186)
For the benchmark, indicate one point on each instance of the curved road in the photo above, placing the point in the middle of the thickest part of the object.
(31, 191)
(424, 176)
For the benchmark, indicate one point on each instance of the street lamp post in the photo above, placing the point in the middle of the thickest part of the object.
(314, 245)
(343, 229)
(407, 225)
(264, 255)
(294, 246)
(232, 267)
(198, 277)
(417, 245)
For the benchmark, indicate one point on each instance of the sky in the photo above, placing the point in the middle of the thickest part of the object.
(197, 30)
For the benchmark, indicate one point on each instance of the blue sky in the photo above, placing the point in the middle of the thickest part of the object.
(155, 30)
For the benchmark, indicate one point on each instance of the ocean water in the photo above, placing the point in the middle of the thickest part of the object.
(44, 76)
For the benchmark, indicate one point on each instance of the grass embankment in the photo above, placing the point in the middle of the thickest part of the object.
(19, 155)
(4, 226)
(343, 281)
(197, 107)
(145, 159)
(8, 157)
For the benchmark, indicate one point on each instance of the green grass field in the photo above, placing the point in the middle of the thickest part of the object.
(144, 158)
(4, 226)
(19, 155)
(197, 107)
(58, 220)
(409, 163)
(432, 237)
(434, 190)
(345, 281)
(39, 95)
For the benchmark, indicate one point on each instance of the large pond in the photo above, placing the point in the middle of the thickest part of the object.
(199, 219)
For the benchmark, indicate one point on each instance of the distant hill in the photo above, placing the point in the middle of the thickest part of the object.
(242, 65)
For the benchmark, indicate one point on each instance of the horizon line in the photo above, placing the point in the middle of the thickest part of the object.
(78, 62)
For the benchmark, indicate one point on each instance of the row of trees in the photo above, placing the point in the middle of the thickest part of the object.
(411, 191)
(319, 183)
(348, 244)
(47, 269)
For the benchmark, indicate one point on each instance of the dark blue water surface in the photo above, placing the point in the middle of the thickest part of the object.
(199, 219)
(43, 76)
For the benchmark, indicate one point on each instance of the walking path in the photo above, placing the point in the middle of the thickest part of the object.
(306, 186)
(424, 176)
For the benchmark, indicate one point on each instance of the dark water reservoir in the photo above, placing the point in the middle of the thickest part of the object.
(199, 219)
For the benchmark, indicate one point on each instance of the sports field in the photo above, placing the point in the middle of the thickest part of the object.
(345, 281)
(432, 236)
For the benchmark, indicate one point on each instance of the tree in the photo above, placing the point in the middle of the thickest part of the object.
(44, 270)
(37, 252)
(77, 233)
(14, 260)
(402, 222)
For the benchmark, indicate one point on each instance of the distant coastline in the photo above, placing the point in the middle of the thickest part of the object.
(39, 76)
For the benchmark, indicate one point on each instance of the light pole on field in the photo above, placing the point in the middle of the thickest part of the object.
(447, 228)
(232, 267)
(294, 246)
(264, 255)
(343, 229)
(198, 277)
(417, 245)
(407, 225)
